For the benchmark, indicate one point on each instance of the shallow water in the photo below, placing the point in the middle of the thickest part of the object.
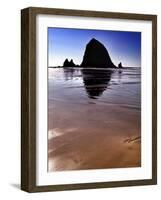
(90, 112)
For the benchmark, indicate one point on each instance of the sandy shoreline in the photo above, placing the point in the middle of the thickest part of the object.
(86, 133)
(93, 151)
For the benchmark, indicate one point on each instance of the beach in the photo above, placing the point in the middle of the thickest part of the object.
(94, 118)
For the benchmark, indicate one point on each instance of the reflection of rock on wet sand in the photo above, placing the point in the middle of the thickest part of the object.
(70, 73)
(96, 81)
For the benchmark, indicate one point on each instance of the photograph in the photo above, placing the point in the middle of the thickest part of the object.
(89, 99)
(94, 99)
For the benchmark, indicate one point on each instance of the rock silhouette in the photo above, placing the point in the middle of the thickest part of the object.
(68, 63)
(120, 65)
(96, 55)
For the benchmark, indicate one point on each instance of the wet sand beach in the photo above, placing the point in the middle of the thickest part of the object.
(94, 119)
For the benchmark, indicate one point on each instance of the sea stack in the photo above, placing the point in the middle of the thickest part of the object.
(120, 65)
(68, 63)
(96, 55)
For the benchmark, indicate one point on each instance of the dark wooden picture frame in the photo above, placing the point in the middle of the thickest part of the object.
(28, 98)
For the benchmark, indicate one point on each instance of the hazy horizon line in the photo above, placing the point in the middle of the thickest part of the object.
(92, 67)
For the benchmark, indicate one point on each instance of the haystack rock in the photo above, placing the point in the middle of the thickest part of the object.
(96, 55)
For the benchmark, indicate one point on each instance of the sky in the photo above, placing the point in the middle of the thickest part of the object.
(69, 43)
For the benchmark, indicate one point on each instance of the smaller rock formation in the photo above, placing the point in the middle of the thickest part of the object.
(71, 63)
(120, 65)
(68, 63)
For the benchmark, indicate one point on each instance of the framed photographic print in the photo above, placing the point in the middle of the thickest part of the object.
(89, 99)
